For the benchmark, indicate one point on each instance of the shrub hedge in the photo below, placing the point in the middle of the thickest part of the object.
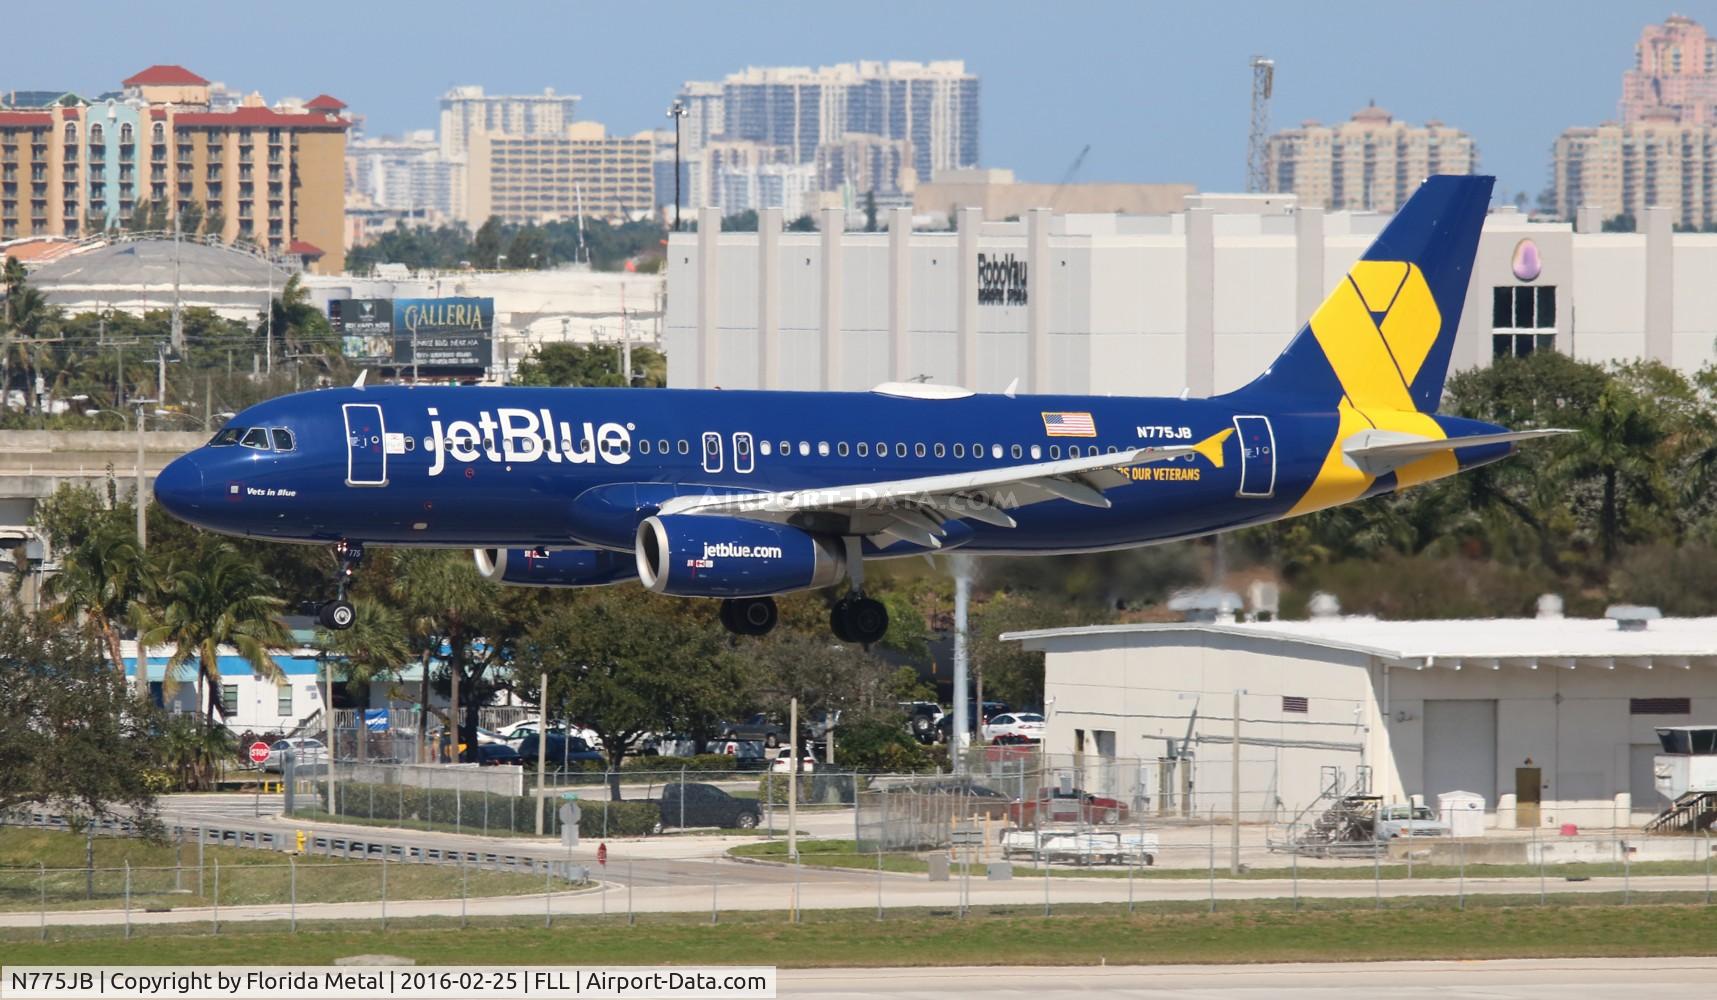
(484, 811)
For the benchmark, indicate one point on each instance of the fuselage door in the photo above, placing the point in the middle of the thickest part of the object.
(1257, 456)
(711, 451)
(366, 454)
(742, 454)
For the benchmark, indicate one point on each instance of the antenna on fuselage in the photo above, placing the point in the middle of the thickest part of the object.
(359, 384)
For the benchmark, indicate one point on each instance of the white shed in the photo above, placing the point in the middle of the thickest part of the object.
(1551, 720)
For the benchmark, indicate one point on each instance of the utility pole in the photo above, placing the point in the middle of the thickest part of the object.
(268, 313)
(677, 112)
(142, 501)
(1234, 792)
(1263, 83)
(792, 780)
(962, 600)
(178, 331)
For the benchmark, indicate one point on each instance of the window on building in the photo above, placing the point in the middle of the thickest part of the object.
(283, 701)
(1295, 703)
(229, 700)
(1660, 706)
(1522, 319)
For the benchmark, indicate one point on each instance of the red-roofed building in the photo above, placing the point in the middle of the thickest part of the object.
(265, 175)
(165, 75)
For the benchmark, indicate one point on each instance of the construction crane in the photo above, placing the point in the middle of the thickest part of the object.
(1067, 178)
(1263, 82)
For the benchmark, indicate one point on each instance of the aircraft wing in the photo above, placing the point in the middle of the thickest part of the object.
(914, 510)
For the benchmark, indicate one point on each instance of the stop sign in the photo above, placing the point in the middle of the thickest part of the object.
(259, 752)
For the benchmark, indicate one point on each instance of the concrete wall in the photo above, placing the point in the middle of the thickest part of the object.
(1144, 305)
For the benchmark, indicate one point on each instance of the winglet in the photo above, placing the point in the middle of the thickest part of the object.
(1211, 447)
(359, 384)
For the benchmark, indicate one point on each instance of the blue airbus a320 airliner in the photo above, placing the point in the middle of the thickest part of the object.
(745, 495)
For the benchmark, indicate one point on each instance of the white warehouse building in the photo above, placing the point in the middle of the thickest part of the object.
(1199, 300)
(1550, 720)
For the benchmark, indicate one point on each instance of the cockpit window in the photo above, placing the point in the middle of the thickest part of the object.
(282, 439)
(226, 437)
(256, 437)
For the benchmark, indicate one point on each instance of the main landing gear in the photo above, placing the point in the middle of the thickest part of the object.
(338, 614)
(749, 615)
(855, 617)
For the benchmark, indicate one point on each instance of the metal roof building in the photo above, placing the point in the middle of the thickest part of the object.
(1552, 720)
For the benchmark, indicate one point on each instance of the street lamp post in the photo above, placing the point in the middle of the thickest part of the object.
(677, 112)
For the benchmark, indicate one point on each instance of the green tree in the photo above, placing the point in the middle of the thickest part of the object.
(71, 735)
(625, 663)
(1616, 444)
(486, 245)
(216, 597)
(98, 580)
(375, 647)
(528, 249)
(568, 364)
(803, 224)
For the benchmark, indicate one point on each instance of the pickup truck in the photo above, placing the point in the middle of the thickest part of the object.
(1081, 848)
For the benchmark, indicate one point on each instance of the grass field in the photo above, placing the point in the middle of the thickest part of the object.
(165, 876)
(1265, 931)
(841, 854)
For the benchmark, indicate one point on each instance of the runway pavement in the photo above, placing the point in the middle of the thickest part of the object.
(1514, 979)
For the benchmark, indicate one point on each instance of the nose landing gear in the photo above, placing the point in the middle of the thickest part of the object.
(338, 614)
(749, 615)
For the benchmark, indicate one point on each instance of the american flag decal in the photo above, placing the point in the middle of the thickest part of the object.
(1072, 425)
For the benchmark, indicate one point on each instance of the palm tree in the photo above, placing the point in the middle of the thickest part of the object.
(221, 600)
(99, 579)
(1618, 445)
(375, 646)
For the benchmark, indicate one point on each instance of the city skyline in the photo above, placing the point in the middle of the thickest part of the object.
(1052, 81)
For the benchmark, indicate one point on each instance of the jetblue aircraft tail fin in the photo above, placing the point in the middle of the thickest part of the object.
(1384, 336)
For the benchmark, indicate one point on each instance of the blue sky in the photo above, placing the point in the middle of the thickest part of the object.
(1159, 91)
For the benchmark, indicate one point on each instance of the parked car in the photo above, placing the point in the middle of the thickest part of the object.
(1408, 821)
(945, 725)
(698, 804)
(758, 727)
(305, 750)
(983, 800)
(748, 755)
(519, 730)
(1073, 806)
(563, 751)
(921, 719)
(490, 754)
(1014, 724)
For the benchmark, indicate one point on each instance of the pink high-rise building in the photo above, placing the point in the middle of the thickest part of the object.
(1674, 77)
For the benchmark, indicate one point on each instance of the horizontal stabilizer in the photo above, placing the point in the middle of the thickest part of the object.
(1378, 452)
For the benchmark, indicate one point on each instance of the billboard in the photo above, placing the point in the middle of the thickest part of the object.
(442, 334)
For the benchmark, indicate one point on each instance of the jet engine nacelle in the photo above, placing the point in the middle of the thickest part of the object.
(691, 555)
(558, 568)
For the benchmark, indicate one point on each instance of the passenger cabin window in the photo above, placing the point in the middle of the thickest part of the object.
(864, 449)
(282, 439)
(662, 445)
(685, 448)
(941, 450)
(959, 450)
(1054, 451)
(918, 449)
(841, 449)
(256, 437)
(644, 446)
(764, 447)
(1016, 451)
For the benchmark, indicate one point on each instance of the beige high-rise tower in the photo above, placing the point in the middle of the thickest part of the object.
(1370, 162)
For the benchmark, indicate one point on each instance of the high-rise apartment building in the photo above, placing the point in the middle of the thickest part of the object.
(1674, 71)
(933, 106)
(1369, 163)
(268, 175)
(467, 110)
(1625, 169)
(405, 174)
(543, 178)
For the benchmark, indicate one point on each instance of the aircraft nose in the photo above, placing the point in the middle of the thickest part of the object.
(179, 487)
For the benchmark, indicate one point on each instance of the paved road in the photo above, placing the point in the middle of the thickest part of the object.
(724, 887)
(1547, 979)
